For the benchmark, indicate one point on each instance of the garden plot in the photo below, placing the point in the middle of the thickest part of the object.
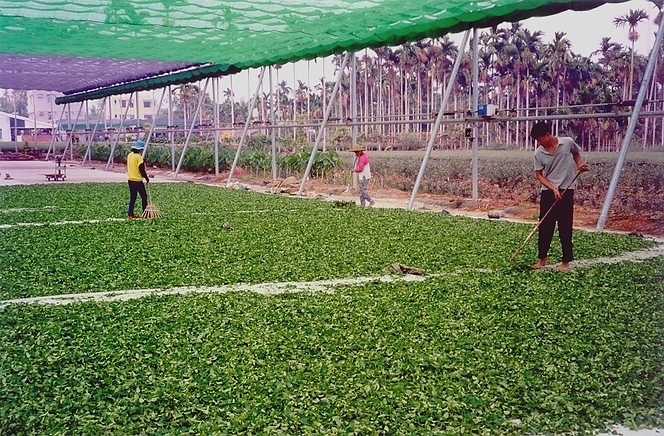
(478, 346)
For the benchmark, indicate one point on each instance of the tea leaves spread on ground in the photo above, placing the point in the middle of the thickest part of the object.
(482, 348)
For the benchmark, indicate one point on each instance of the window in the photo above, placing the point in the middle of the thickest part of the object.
(40, 95)
(148, 117)
(41, 113)
(124, 103)
(131, 117)
(147, 103)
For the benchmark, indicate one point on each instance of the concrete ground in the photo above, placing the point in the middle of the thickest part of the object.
(34, 172)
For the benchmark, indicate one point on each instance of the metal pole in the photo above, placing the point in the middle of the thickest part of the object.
(353, 113)
(70, 142)
(87, 120)
(246, 125)
(154, 122)
(215, 92)
(117, 137)
(654, 54)
(52, 146)
(170, 123)
(353, 96)
(273, 131)
(201, 98)
(94, 130)
(312, 157)
(15, 125)
(34, 109)
(439, 118)
(476, 96)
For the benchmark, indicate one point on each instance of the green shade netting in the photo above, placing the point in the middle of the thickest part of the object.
(244, 34)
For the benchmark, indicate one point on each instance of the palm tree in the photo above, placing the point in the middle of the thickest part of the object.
(186, 94)
(230, 96)
(631, 20)
(561, 56)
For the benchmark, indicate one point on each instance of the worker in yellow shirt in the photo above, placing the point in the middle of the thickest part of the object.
(135, 175)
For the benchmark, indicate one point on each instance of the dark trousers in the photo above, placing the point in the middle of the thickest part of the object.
(134, 189)
(563, 214)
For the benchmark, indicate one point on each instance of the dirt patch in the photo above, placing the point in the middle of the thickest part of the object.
(649, 223)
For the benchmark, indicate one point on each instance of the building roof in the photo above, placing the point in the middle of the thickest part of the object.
(29, 122)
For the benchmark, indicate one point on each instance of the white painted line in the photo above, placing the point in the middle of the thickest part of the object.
(246, 211)
(274, 288)
(59, 223)
(26, 209)
(270, 288)
(633, 256)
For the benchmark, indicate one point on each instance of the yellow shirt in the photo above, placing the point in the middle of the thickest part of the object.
(134, 160)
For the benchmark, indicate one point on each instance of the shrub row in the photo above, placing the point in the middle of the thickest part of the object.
(509, 175)
(201, 158)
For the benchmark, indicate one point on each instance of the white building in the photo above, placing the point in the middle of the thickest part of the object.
(15, 127)
(145, 110)
(42, 104)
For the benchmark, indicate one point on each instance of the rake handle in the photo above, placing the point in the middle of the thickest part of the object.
(539, 223)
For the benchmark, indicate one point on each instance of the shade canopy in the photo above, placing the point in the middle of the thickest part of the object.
(79, 45)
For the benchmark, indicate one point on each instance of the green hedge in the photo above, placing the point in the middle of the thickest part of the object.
(509, 174)
(200, 157)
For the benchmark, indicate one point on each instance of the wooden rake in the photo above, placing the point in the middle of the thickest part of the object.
(151, 210)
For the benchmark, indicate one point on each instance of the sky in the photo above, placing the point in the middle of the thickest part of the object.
(584, 30)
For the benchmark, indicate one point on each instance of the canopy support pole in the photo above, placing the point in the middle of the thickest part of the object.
(246, 125)
(215, 92)
(117, 137)
(633, 120)
(154, 122)
(476, 95)
(273, 131)
(70, 141)
(353, 97)
(312, 157)
(52, 146)
(94, 131)
(171, 133)
(201, 98)
(439, 119)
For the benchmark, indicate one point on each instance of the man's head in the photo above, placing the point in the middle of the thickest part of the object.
(540, 132)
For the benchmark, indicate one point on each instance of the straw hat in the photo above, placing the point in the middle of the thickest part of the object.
(357, 147)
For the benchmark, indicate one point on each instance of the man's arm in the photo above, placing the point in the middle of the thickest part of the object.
(544, 181)
(580, 164)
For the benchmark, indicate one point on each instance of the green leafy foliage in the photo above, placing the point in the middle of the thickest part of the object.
(469, 353)
(274, 238)
(484, 347)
